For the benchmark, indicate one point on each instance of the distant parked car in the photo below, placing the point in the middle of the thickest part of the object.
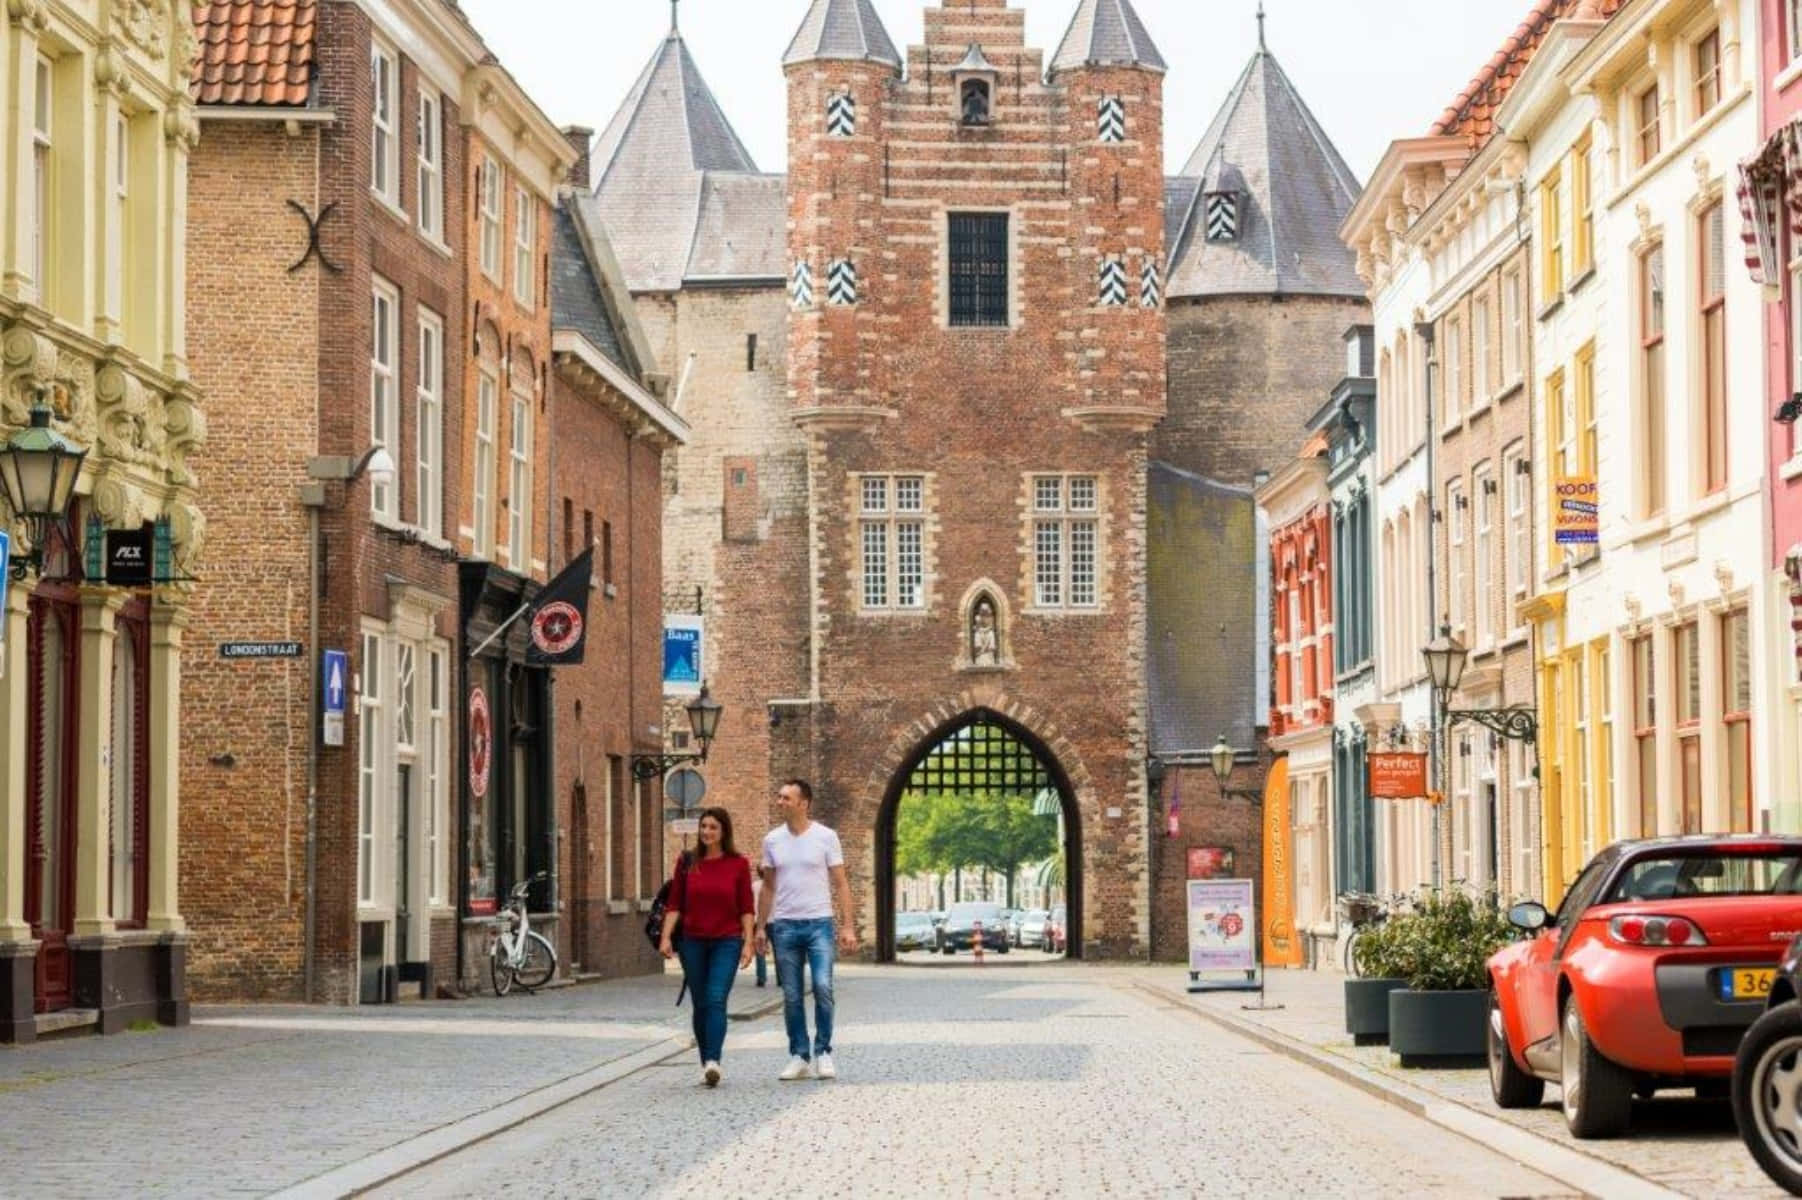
(959, 931)
(1029, 930)
(914, 931)
(1056, 935)
(1661, 955)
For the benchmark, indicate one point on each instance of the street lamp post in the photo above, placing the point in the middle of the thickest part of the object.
(38, 470)
(703, 720)
(1221, 759)
(1446, 658)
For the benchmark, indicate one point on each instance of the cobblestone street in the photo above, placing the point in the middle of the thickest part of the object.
(990, 1081)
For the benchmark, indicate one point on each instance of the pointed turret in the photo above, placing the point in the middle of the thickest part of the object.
(669, 150)
(844, 30)
(1256, 210)
(1107, 33)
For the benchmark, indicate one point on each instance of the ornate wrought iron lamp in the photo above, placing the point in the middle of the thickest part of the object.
(703, 721)
(38, 470)
(1446, 658)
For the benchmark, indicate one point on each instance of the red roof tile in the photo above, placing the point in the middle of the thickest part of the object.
(254, 51)
(1472, 114)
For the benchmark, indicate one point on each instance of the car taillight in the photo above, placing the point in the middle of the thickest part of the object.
(1656, 931)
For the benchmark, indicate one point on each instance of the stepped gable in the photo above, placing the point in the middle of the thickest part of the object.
(666, 150)
(1472, 114)
(1107, 33)
(845, 30)
(1294, 190)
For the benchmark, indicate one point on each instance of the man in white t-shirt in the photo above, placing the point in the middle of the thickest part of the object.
(803, 868)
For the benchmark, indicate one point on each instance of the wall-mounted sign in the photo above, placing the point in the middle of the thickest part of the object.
(1397, 775)
(1210, 862)
(259, 649)
(334, 678)
(128, 556)
(684, 645)
(1576, 517)
(481, 743)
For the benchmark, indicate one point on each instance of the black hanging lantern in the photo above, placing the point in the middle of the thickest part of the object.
(38, 470)
(704, 718)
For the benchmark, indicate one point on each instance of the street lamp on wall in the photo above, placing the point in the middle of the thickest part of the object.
(1446, 658)
(1221, 759)
(38, 470)
(703, 722)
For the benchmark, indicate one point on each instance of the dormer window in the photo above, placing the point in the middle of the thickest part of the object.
(975, 104)
(1223, 216)
(975, 77)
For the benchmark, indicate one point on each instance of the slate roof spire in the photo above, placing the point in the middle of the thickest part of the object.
(842, 29)
(1292, 190)
(1106, 33)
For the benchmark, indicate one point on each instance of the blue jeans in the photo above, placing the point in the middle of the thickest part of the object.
(807, 944)
(710, 966)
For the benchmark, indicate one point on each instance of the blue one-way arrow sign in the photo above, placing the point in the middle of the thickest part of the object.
(334, 670)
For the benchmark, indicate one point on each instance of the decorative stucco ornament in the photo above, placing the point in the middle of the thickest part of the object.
(146, 23)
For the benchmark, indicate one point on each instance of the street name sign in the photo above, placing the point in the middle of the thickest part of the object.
(242, 650)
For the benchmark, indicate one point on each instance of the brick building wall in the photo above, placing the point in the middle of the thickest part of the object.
(606, 486)
(244, 739)
(1205, 819)
(949, 405)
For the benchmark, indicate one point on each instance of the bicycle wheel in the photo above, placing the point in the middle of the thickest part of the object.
(1351, 953)
(498, 970)
(538, 962)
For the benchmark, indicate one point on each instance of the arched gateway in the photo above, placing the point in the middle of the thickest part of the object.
(978, 752)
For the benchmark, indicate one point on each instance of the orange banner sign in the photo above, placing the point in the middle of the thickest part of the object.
(1398, 775)
(1282, 947)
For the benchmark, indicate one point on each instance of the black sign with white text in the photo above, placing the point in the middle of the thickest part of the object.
(128, 556)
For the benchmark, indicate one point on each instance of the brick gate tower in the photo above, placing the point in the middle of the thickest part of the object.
(975, 357)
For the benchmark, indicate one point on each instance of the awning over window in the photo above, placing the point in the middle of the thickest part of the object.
(1770, 183)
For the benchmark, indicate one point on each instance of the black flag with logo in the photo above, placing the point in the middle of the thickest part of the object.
(557, 621)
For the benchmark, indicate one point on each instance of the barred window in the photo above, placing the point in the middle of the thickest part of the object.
(1065, 568)
(893, 541)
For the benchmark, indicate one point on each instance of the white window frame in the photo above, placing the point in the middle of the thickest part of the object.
(1481, 371)
(384, 389)
(121, 204)
(429, 429)
(1513, 331)
(1453, 407)
(1795, 331)
(1457, 550)
(1065, 511)
(435, 802)
(891, 512)
(1517, 534)
(1483, 619)
(429, 151)
(519, 483)
(488, 392)
(384, 145)
(489, 201)
(1792, 17)
(525, 245)
(370, 703)
(42, 148)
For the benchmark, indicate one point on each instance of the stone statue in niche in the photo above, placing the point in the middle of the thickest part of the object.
(976, 102)
(984, 638)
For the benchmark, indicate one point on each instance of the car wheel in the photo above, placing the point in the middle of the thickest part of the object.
(1511, 1086)
(1767, 1094)
(1598, 1095)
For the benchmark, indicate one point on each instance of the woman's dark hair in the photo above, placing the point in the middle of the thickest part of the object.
(727, 849)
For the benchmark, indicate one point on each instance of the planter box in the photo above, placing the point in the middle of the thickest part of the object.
(1367, 1009)
(1438, 1029)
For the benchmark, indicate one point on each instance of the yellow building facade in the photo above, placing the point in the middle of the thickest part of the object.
(98, 129)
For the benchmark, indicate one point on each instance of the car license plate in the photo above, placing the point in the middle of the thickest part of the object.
(1747, 983)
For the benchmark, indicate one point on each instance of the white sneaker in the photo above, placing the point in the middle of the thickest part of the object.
(796, 1069)
(823, 1068)
(711, 1074)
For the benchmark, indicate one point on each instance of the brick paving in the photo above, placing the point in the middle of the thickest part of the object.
(252, 1099)
(1686, 1145)
(1065, 1081)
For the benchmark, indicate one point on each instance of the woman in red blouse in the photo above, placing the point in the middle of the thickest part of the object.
(711, 900)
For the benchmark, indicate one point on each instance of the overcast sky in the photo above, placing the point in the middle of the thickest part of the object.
(1371, 70)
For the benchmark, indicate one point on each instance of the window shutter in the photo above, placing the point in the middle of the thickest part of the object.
(1110, 119)
(841, 115)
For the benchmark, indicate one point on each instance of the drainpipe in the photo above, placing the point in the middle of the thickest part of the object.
(313, 497)
(1425, 330)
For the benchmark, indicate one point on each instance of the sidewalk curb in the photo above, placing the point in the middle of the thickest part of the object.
(1575, 1168)
(407, 1156)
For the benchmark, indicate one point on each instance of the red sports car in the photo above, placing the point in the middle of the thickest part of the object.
(1647, 976)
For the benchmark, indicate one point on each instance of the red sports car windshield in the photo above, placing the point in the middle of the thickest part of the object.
(1704, 873)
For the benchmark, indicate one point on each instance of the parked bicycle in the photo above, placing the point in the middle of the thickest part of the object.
(518, 954)
(1363, 912)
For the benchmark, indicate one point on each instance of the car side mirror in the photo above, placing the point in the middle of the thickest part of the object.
(1529, 915)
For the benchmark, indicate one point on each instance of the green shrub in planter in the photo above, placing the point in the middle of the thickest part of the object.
(1367, 997)
(1441, 949)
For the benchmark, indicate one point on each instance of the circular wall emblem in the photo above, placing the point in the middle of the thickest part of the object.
(557, 628)
(481, 742)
